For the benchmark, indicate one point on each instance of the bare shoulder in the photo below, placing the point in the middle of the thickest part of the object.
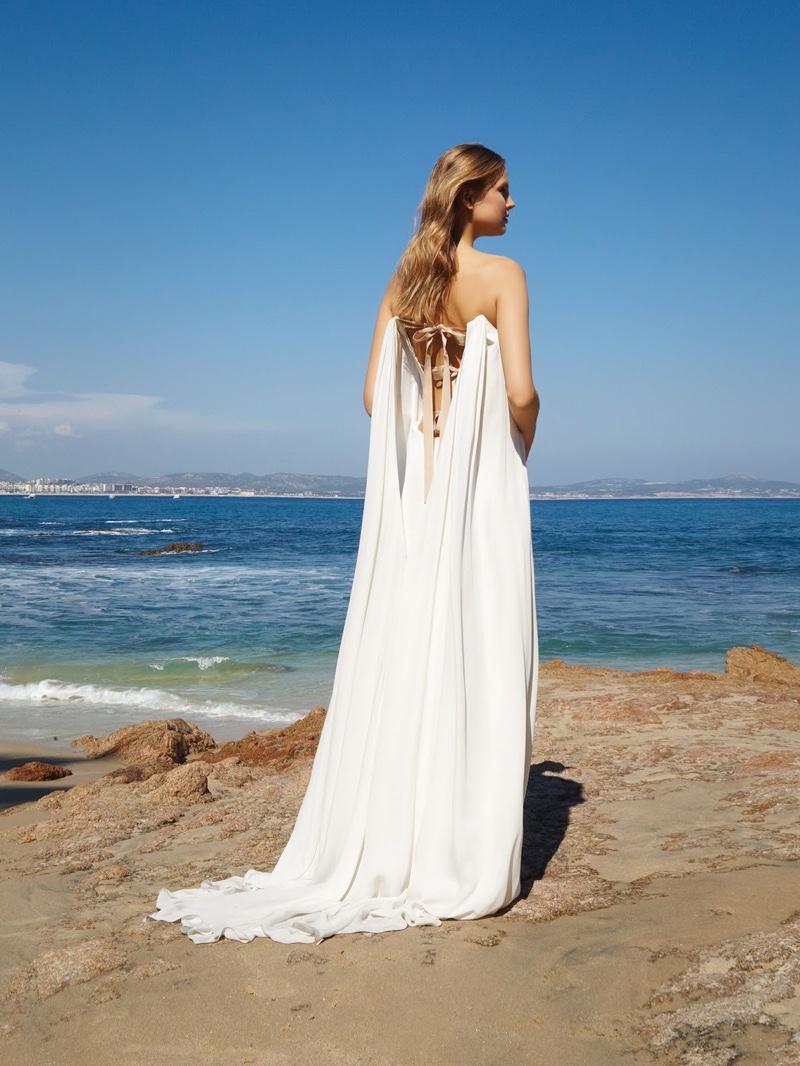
(485, 282)
(389, 301)
(484, 261)
(505, 269)
(500, 273)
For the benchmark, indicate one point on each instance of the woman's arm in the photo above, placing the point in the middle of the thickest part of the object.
(515, 347)
(385, 313)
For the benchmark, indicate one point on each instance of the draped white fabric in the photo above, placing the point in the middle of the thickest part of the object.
(413, 813)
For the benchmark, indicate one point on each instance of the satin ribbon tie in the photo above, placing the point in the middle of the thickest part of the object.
(433, 423)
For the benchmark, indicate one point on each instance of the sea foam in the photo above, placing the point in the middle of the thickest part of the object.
(204, 662)
(145, 699)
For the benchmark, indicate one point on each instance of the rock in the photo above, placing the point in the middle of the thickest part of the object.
(153, 745)
(185, 784)
(619, 710)
(37, 771)
(53, 970)
(750, 980)
(88, 819)
(232, 772)
(758, 664)
(178, 546)
(127, 775)
(277, 748)
(557, 668)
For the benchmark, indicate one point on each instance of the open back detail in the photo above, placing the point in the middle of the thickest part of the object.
(413, 812)
(440, 368)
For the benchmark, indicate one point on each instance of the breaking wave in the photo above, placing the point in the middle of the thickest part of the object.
(204, 662)
(147, 699)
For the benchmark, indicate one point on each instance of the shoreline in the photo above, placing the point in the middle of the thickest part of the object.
(661, 846)
(539, 497)
(230, 728)
(60, 751)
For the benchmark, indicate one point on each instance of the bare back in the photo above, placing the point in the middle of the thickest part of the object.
(489, 285)
(475, 289)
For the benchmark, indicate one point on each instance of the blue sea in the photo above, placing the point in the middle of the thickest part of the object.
(244, 634)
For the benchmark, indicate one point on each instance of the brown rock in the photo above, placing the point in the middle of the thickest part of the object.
(127, 775)
(758, 664)
(155, 745)
(557, 668)
(277, 748)
(37, 771)
(766, 761)
(233, 773)
(175, 548)
(53, 970)
(738, 982)
(185, 784)
(616, 710)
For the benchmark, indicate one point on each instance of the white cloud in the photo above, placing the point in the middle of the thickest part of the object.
(5, 427)
(28, 413)
(12, 379)
(96, 409)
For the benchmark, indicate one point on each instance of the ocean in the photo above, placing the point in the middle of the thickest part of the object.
(244, 634)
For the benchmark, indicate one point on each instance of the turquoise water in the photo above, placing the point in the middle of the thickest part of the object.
(244, 634)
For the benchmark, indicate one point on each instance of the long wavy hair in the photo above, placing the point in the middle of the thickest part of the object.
(429, 263)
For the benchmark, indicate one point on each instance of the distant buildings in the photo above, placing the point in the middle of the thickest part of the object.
(58, 485)
(65, 487)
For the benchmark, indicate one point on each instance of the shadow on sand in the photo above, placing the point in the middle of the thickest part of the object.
(548, 800)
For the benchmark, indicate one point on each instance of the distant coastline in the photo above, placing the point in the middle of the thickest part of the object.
(538, 497)
(324, 486)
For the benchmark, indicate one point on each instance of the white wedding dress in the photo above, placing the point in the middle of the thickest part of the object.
(413, 813)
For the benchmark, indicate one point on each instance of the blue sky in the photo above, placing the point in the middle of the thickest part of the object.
(202, 203)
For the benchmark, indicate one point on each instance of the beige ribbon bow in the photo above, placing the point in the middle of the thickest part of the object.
(433, 424)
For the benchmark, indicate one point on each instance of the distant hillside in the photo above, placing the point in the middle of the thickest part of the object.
(314, 483)
(732, 486)
(625, 488)
(112, 475)
(289, 484)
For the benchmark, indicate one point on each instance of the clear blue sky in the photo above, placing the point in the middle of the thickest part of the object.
(202, 203)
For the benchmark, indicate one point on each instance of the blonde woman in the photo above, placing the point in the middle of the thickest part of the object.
(413, 813)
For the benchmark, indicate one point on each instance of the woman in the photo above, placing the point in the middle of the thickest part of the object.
(413, 813)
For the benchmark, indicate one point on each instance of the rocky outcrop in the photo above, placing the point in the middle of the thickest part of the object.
(728, 986)
(37, 771)
(174, 549)
(152, 745)
(762, 666)
(88, 819)
(184, 784)
(278, 748)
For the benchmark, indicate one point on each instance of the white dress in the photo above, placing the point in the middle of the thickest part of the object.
(413, 812)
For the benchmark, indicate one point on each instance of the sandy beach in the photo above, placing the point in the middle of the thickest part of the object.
(658, 922)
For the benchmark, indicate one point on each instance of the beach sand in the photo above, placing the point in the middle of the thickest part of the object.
(659, 921)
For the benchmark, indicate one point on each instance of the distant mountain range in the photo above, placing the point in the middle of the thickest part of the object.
(626, 488)
(330, 485)
(290, 484)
